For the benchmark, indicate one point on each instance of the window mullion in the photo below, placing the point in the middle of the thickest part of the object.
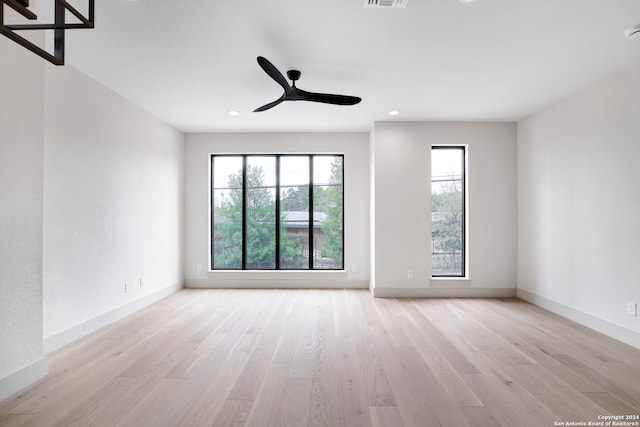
(463, 214)
(213, 218)
(311, 242)
(244, 212)
(277, 219)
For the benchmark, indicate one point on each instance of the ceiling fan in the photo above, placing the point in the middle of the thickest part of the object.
(292, 93)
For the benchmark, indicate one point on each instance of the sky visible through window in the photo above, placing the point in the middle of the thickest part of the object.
(297, 169)
(445, 165)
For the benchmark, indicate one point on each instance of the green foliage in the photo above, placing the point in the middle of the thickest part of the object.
(446, 208)
(227, 241)
(295, 199)
(261, 247)
(333, 226)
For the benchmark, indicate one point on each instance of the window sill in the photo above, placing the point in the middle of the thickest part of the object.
(283, 273)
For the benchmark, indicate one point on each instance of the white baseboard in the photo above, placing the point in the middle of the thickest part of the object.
(275, 284)
(20, 379)
(59, 340)
(612, 330)
(441, 292)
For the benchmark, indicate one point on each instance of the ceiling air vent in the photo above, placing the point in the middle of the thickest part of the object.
(386, 4)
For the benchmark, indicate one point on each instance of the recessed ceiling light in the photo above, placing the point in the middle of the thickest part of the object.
(394, 113)
(234, 113)
(467, 1)
(633, 32)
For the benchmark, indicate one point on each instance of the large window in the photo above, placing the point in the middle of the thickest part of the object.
(277, 212)
(448, 211)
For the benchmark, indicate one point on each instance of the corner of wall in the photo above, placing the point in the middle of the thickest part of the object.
(24, 377)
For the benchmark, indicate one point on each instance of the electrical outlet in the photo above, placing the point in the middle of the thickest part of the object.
(141, 283)
(354, 268)
(410, 274)
(126, 287)
(632, 308)
(198, 267)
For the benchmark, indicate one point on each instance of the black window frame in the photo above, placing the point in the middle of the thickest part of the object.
(463, 267)
(277, 230)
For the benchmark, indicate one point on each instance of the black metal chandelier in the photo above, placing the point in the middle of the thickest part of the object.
(58, 26)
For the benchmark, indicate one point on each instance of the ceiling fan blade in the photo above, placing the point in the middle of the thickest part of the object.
(329, 98)
(270, 105)
(273, 72)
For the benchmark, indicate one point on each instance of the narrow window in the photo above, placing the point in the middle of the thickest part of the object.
(277, 212)
(448, 211)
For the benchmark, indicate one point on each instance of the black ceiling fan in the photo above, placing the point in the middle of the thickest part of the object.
(292, 93)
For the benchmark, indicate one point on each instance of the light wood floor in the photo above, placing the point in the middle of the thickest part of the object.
(332, 358)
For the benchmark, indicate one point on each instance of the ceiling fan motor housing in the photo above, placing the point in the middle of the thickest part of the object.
(293, 75)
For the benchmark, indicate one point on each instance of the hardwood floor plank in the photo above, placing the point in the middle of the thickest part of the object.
(564, 401)
(507, 402)
(391, 317)
(529, 340)
(588, 372)
(149, 405)
(376, 384)
(459, 393)
(353, 402)
(479, 416)
(419, 396)
(294, 318)
(493, 344)
(12, 420)
(294, 410)
(318, 357)
(385, 416)
(199, 351)
(305, 356)
(234, 413)
(204, 407)
(256, 367)
(236, 340)
(265, 411)
(611, 404)
(454, 356)
(108, 406)
(323, 403)
(107, 354)
(611, 362)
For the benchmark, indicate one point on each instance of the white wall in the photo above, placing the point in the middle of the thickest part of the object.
(21, 151)
(354, 146)
(579, 205)
(113, 184)
(402, 206)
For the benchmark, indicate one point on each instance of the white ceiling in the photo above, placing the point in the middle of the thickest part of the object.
(190, 62)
